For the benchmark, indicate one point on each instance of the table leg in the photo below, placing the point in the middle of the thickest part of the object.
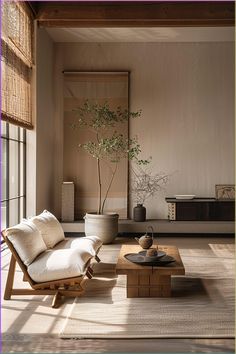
(160, 285)
(148, 285)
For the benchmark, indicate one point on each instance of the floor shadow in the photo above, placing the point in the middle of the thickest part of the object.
(102, 268)
(187, 287)
(99, 289)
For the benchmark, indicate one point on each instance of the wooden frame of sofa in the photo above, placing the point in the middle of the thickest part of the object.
(70, 287)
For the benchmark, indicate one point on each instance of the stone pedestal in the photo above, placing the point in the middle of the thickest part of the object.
(67, 201)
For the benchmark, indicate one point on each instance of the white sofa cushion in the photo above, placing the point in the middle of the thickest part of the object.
(26, 240)
(49, 227)
(58, 264)
(88, 244)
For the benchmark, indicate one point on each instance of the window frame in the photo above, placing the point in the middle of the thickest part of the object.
(21, 159)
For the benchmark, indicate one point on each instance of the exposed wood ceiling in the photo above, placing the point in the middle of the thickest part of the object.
(134, 14)
(141, 34)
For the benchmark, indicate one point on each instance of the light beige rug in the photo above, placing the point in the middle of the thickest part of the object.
(201, 306)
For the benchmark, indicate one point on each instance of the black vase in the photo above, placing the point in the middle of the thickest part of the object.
(139, 213)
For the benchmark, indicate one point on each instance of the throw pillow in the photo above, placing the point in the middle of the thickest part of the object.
(26, 240)
(49, 228)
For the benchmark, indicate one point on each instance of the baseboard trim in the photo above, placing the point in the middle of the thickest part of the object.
(138, 234)
(163, 227)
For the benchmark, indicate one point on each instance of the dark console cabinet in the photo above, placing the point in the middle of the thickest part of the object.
(201, 209)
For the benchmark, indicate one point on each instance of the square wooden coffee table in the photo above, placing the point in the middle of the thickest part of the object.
(149, 281)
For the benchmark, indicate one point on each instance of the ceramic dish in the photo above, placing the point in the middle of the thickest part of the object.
(160, 254)
(139, 259)
(185, 196)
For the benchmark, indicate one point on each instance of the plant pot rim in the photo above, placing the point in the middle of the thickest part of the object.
(111, 215)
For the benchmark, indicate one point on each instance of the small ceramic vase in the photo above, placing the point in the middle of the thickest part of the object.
(139, 213)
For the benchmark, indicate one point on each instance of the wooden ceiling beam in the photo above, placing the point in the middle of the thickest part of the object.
(135, 14)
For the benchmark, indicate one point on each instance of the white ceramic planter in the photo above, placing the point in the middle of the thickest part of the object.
(104, 226)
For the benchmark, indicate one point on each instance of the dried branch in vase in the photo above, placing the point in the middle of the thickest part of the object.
(146, 184)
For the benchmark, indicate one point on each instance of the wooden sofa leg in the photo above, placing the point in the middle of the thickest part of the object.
(56, 302)
(88, 273)
(97, 258)
(90, 270)
(10, 279)
(24, 278)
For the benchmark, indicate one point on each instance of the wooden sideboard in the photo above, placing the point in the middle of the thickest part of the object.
(201, 209)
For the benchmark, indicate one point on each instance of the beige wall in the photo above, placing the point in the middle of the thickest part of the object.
(186, 93)
(44, 122)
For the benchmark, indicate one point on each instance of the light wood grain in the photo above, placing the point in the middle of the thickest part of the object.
(123, 265)
(71, 287)
(36, 343)
(19, 341)
(10, 279)
(134, 14)
(149, 281)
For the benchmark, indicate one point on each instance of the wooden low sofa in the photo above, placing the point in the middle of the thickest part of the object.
(58, 270)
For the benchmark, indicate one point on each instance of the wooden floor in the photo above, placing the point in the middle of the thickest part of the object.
(31, 326)
(48, 344)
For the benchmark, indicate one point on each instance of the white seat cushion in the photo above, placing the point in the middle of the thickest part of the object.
(58, 264)
(88, 244)
(26, 240)
(49, 227)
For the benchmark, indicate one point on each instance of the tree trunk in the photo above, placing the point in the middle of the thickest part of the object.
(99, 187)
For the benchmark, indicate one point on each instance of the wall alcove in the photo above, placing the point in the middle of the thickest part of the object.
(79, 166)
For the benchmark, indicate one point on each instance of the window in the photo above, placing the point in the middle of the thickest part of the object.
(17, 61)
(13, 201)
(16, 108)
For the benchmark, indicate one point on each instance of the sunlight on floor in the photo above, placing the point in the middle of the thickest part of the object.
(34, 315)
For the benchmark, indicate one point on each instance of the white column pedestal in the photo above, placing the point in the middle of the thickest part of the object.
(68, 201)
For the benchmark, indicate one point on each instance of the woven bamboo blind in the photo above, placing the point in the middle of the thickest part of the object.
(17, 61)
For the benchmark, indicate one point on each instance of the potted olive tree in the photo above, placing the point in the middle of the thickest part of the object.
(106, 144)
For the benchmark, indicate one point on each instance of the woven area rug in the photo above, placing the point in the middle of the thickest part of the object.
(201, 306)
